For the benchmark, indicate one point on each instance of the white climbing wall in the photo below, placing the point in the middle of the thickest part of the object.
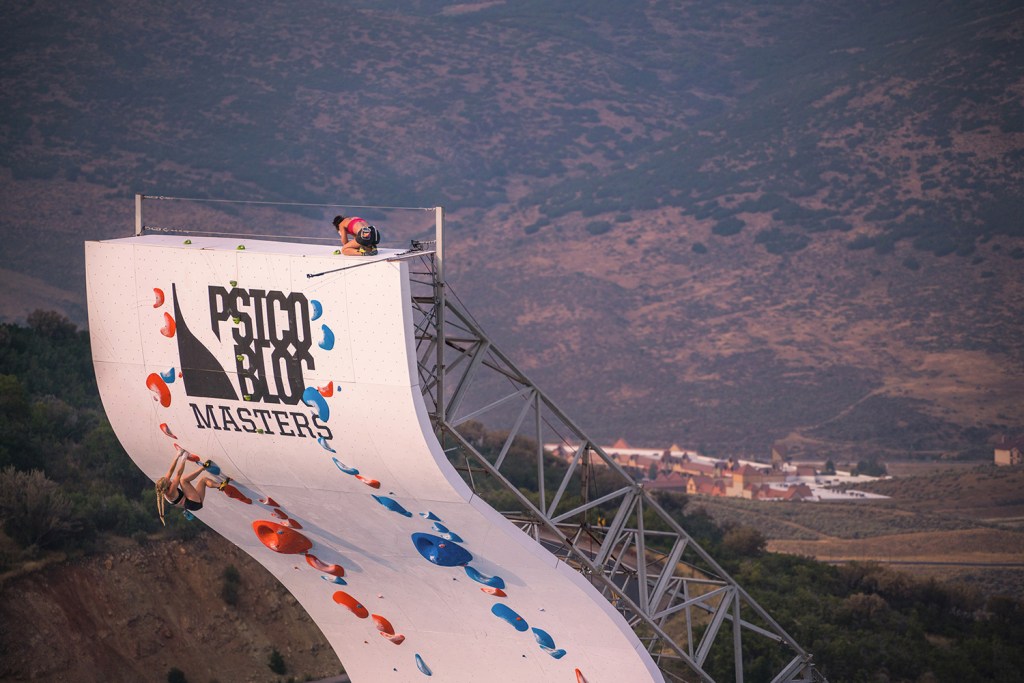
(304, 391)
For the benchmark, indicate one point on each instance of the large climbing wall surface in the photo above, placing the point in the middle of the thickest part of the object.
(304, 392)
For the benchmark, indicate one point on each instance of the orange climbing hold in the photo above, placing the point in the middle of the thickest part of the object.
(579, 677)
(280, 538)
(353, 605)
(327, 390)
(372, 483)
(396, 638)
(496, 592)
(321, 566)
(383, 625)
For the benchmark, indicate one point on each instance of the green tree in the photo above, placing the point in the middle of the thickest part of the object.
(33, 510)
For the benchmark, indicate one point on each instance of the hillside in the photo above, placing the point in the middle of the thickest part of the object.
(135, 613)
(719, 224)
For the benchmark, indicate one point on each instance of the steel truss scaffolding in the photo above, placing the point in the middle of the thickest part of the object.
(695, 620)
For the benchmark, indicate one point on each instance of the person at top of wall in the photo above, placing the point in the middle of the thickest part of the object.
(358, 237)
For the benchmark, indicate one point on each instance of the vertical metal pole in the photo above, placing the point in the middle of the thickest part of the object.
(439, 308)
(138, 214)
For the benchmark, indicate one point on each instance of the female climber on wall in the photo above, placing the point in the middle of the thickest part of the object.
(358, 237)
(173, 489)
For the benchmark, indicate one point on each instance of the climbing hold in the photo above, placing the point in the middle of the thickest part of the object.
(280, 538)
(430, 515)
(269, 501)
(312, 398)
(345, 468)
(383, 625)
(396, 638)
(446, 534)
(168, 376)
(168, 329)
(233, 282)
(323, 444)
(317, 307)
(327, 339)
(241, 247)
(234, 493)
(506, 613)
(492, 581)
(158, 386)
(188, 241)
(496, 592)
(440, 552)
(159, 294)
(210, 467)
(335, 579)
(422, 666)
(372, 483)
(393, 505)
(337, 251)
(321, 566)
(353, 605)
(167, 430)
(327, 390)
(547, 643)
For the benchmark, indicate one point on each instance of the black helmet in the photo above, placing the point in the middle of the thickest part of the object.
(368, 236)
(337, 221)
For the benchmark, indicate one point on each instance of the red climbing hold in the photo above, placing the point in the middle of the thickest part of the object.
(233, 492)
(327, 390)
(372, 483)
(496, 592)
(158, 386)
(280, 538)
(396, 638)
(346, 600)
(168, 329)
(159, 294)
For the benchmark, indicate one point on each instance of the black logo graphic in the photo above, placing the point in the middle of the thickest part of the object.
(271, 335)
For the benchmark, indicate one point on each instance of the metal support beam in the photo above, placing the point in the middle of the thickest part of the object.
(643, 561)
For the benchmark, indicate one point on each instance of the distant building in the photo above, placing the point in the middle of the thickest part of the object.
(1010, 452)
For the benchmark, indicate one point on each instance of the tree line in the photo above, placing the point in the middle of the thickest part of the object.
(66, 484)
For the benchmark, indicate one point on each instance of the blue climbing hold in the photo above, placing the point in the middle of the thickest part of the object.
(312, 398)
(345, 468)
(327, 341)
(439, 551)
(503, 611)
(393, 505)
(422, 666)
(492, 581)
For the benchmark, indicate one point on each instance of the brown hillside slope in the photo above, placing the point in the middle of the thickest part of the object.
(135, 612)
